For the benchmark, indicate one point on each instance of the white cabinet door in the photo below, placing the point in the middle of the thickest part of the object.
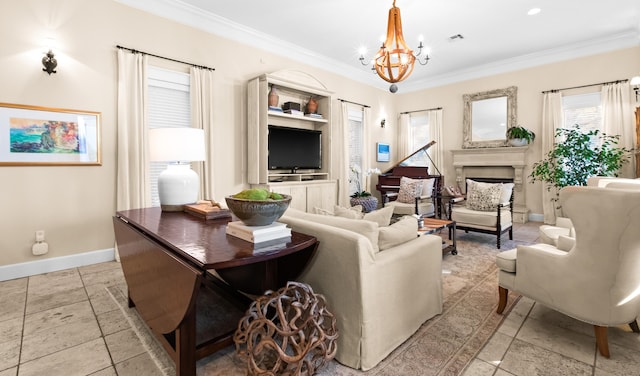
(298, 195)
(321, 196)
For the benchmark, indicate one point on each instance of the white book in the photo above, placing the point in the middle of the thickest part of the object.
(283, 232)
(239, 226)
(271, 245)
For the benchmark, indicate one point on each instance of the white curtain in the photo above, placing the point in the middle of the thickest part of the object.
(435, 134)
(551, 120)
(132, 188)
(404, 136)
(202, 117)
(618, 119)
(342, 155)
(366, 146)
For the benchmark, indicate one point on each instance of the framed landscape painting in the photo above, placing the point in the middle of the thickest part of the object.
(40, 136)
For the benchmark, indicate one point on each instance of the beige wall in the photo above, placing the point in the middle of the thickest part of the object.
(74, 205)
(617, 65)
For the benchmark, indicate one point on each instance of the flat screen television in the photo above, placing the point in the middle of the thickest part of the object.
(293, 149)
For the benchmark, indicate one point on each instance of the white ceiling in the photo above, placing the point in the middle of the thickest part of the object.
(498, 35)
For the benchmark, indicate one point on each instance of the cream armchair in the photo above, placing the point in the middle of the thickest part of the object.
(598, 279)
(487, 208)
(563, 227)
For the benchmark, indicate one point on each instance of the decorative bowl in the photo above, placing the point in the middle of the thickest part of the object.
(258, 213)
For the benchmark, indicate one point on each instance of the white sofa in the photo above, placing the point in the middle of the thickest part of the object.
(380, 297)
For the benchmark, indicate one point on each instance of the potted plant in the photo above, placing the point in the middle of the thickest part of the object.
(580, 155)
(362, 197)
(520, 136)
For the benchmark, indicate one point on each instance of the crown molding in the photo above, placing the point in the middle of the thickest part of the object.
(189, 15)
(566, 52)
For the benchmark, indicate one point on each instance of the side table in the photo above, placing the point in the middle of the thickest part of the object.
(432, 225)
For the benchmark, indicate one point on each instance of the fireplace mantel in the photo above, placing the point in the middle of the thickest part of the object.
(493, 161)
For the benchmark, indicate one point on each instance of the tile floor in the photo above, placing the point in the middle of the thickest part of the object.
(68, 323)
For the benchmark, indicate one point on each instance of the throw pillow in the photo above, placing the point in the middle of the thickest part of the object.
(404, 230)
(483, 196)
(322, 211)
(354, 212)
(427, 187)
(409, 190)
(507, 189)
(381, 216)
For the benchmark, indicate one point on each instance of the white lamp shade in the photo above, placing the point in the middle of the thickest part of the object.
(176, 144)
(635, 81)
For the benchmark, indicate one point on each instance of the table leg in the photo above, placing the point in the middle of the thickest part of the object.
(452, 233)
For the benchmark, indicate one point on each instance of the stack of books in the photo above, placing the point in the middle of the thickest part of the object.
(275, 108)
(315, 116)
(294, 112)
(274, 232)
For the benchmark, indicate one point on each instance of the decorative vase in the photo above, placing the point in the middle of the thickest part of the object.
(518, 142)
(369, 203)
(312, 106)
(273, 97)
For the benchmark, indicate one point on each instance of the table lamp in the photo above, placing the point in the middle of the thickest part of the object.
(177, 185)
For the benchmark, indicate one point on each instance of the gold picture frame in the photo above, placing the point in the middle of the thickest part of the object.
(42, 136)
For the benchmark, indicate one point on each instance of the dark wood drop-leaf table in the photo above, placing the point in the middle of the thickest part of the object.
(191, 282)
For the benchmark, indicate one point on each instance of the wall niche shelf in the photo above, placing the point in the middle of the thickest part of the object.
(309, 188)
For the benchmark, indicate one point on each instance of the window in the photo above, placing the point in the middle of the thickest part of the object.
(356, 145)
(169, 105)
(418, 136)
(584, 110)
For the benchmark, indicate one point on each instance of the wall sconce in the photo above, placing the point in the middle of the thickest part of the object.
(383, 122)
(635, 83)
(49, 62)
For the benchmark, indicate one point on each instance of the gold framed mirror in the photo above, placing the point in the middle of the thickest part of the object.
(487, 116)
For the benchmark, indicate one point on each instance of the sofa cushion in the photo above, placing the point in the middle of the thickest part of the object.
(483, 196)
(409, 189)
(381, 216)
(480, 219)
(400, 232)
(507, 260)
(354, 212)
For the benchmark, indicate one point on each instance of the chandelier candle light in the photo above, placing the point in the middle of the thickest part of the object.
(395, 60)
(178, 185)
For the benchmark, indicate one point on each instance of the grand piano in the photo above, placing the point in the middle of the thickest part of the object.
(414, 166)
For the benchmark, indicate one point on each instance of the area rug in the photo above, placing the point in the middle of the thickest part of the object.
(444, 345)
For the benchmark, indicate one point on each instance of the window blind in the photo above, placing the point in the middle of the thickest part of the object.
(168, 106)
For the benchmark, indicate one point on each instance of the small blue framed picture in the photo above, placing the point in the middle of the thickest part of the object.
(383, 152)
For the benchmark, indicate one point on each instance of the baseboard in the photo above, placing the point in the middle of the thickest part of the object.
(30, 268)
(535, 217)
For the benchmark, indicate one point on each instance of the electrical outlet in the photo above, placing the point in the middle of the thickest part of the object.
(39, 249)
(40, 235)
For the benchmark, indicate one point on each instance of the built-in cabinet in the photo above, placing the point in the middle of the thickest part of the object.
(309, 188)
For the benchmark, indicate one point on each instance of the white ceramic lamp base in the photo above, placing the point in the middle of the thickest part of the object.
(178, 185)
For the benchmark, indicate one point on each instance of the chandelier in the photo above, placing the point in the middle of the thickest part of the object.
(395, 60)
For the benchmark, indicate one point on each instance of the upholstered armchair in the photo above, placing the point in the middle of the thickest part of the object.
(596, 280)
(487, 208)
(416, 196)
(563, 227)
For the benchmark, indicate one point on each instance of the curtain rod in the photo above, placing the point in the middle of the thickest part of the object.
(579, 87)
(428, 109)
(359, 104)
(165, 58)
